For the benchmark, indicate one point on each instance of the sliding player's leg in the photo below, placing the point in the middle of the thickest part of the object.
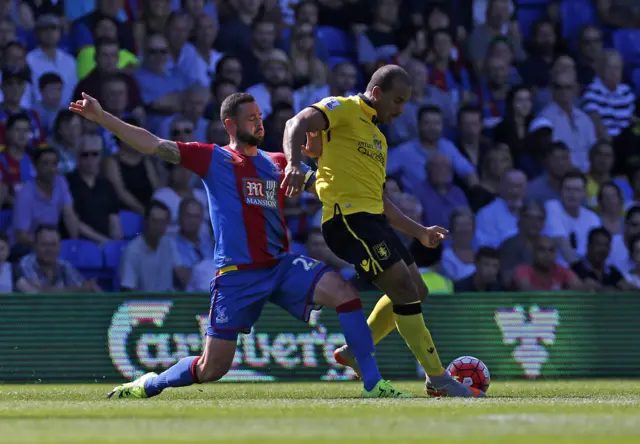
(327, 288)
(236, 303)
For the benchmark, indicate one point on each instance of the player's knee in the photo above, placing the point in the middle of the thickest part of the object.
(403, 290)
(332, 291)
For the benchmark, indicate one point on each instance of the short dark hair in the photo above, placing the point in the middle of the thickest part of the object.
(230, 105)
(556, 146)
(187, 201)
(383, 77)
(613, 185)
(47, 79)
(469, 108)
(429, 109)
(155, 203)
(597, 232)
(487, 252)
(45, 227)
(37, 155)
(224, 59)
(105, 42)
(529, 205)
(300, 5)
(175, 15)
(11, 44)
(260, 20)
(115, 77)
(574, 174)
(63, 116)
(631, 211)
(634, 240)
(20, 117)
(3, 237)
(220, 81)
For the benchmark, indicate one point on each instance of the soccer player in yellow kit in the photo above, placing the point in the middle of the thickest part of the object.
(357, 219)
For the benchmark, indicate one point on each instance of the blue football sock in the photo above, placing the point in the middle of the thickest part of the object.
(360, 341)
(180, 375)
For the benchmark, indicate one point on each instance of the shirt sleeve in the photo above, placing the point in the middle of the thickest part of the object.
(72, 277)
(461, 165)
(485, 229)
(196, 156)
(22, 211)
(554, 227)
(66, 197)
(334, 110)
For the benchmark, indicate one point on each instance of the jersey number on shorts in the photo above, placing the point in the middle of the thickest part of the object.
(307, 264)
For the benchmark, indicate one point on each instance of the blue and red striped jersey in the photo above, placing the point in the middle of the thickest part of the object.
(245, 201)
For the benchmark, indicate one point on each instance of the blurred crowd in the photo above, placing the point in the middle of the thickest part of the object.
(522, 136)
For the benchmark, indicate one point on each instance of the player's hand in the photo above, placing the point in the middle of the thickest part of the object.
(293, 180)
(88, 107)
(432, 236)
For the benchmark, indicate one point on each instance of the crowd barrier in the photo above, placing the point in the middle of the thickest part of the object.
(111, 337)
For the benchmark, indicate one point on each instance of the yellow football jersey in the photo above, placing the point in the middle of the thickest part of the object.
(352, 168)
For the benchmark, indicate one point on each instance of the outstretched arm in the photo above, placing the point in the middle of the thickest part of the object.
(308, 120)
(138, 138)
(430, 237)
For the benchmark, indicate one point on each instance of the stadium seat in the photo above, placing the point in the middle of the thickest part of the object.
(131, 224)
(627, 42)
(574, 15)
(112, 255)
(525, 3)
(527, 18)
(635, 78)
(5, 220)
(337, 41)
(82, 254)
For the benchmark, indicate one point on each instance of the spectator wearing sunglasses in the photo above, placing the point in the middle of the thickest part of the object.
(94, 199)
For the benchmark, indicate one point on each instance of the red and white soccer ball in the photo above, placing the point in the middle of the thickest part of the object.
(470, 371)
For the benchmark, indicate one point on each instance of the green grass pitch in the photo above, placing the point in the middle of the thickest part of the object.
(516, 412)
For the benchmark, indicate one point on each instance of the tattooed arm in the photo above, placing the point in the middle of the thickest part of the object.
(138, 138)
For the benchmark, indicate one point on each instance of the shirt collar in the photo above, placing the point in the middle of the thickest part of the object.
(367, 107)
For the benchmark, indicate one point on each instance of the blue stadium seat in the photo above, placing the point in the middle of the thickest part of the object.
(635, 78)
(521, 3)
(574, 15)
(527, 18)
(131, 224)
(112, 255)
(5, 220)
(627, 42)
(82, 254)
(337, 41)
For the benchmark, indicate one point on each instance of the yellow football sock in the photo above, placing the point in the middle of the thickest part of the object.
(382, 320)
(415, 333)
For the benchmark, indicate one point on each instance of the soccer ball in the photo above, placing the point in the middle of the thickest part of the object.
(470, 371)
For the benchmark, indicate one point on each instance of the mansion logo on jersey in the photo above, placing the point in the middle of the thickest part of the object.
(261, 192)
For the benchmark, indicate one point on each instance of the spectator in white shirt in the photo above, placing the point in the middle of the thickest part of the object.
(149, 261)
(568, 221)
(47, 57)
(498, 221)
(609, 102)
